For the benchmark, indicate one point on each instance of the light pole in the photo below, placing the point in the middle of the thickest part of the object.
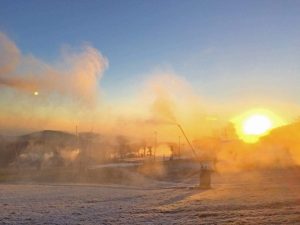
(155, 143)
(179, 153)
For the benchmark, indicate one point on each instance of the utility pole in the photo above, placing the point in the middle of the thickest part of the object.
(179, 153)
(155, 143)
(80, 152)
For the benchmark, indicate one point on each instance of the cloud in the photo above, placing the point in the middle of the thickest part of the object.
(75, 74)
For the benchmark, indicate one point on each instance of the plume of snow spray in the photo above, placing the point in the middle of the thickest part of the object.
(76, 75)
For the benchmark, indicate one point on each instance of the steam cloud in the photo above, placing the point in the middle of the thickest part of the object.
(171, 100)
(76, 75)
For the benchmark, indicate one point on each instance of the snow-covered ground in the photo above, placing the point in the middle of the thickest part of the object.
(270, 197)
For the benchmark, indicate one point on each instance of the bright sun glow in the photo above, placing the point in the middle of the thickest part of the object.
(257, 125)
(253, 124)
(36, 93)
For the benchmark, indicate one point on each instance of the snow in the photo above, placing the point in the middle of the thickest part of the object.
(269, 197)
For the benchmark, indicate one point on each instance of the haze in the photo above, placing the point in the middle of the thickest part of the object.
(230, 57)
(157, 112)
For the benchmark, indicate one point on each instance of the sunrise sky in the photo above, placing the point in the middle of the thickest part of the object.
(107, 60)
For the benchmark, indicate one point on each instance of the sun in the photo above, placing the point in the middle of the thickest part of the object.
(252, 125)
(36, 93)
(257, 125)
